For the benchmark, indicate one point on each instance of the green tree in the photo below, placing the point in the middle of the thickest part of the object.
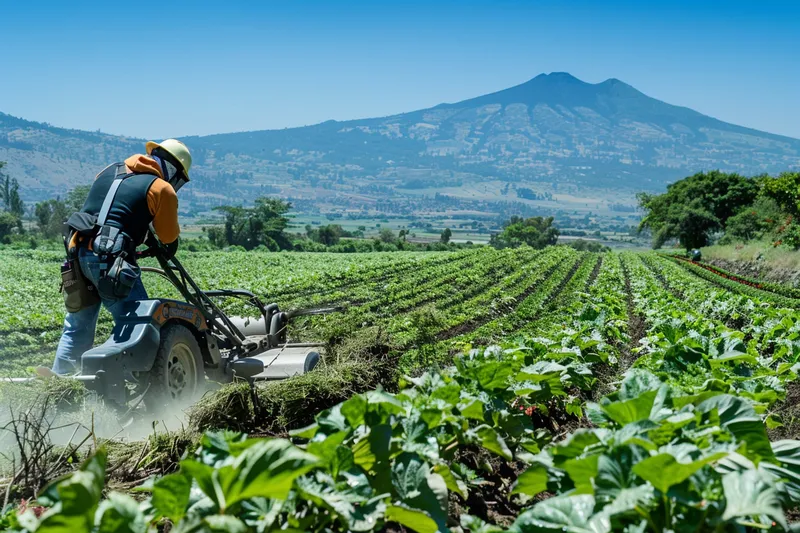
(249, 227)
(50, 216)
(9, 194)
(784, 190)
(7, 224)
(754, 222)
(77, 197)
(537, 232)
(695, 207)
(386, 235)
(329, 235)
(445, 236)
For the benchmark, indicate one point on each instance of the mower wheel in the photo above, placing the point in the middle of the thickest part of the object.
(177, 377)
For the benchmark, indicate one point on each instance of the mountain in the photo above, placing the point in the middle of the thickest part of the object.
(548, 134)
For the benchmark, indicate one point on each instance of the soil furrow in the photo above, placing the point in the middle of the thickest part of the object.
(471, 325)
(636, 326)
(593, 276)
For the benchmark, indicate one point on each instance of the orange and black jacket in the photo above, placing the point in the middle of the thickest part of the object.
(141, 199)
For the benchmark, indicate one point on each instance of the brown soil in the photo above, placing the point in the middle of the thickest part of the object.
(789, 411)
(493, 503)
(636, 327)
(607, 374)
(593, 276)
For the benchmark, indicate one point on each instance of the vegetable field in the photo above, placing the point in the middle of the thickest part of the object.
(529, 391)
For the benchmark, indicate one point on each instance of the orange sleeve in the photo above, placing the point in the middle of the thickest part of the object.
(163, 204)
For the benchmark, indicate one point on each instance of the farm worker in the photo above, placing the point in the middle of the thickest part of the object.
(126, 200)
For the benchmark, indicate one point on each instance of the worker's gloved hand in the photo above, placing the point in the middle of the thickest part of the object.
(151, 242)
(170, 249)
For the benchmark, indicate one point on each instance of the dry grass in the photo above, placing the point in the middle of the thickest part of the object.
(759, 260)
(771, 256)
(357, 365)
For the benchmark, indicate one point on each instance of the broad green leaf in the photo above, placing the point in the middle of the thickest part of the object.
(307, 432)
(494, 375)
(170, 496)
(472, 408)
(413, 519)
(786, 474)
(431, 417)
(216, 447)
(223, 524)
(582, 471)
(628, 499)
(738, 417)
(409, 475)
(749, 495)
(773, 421)
(203, 475)
(266, 469)
(632, 410)
(341, 461)
(419, 488)
(354, 410)
(663, 470)
(615, 472)
(449, 393)
(75, 497)
(374, 448)
(576, 445)
(326, 449)
(453, 483)
(532, 481)
(636, 383)
(438, 486)
(365, 516)
(94, 471)
(570, 514)
(386, 400)
(728, 358)
(120, 514)
(332, 420)
(492, 441)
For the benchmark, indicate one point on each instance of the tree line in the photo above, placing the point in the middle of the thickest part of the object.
(725, 208)
(264, 226)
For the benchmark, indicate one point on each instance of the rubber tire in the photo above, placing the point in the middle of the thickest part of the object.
(159, 395)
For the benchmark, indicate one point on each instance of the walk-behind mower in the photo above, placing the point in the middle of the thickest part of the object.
(160, 351)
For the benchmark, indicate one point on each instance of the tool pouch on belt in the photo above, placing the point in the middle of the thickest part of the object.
(78, 291)
(113, 247)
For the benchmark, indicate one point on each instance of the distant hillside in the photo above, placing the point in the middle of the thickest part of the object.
(549, 132)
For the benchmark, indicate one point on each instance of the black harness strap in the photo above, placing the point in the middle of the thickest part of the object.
(119, 177)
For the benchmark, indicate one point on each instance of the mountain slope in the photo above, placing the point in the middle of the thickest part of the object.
(541, 129)
(551, 129)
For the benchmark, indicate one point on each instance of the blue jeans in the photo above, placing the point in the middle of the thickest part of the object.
(79, 328)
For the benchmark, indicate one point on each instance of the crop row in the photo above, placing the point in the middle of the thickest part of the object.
(732, 283)
(689, 337)
(778, 288)
(662, 452)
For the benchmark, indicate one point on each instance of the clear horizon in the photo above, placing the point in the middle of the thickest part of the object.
(192, 69)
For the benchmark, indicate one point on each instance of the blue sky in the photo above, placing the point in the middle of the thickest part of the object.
(177, 68)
